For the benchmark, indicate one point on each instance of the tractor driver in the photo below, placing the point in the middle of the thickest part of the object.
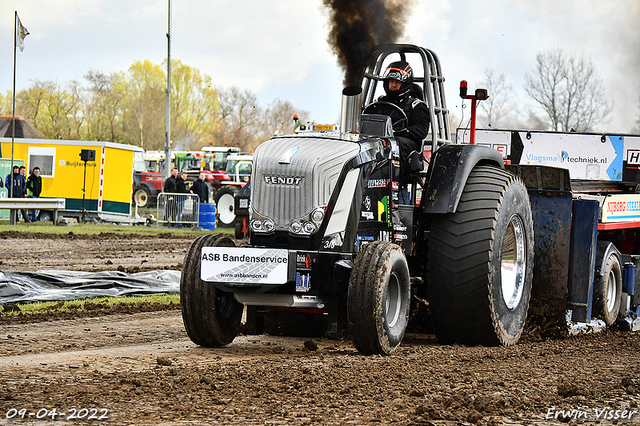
(400, 91)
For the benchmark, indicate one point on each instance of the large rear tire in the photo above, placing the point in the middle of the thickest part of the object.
(607, 291)
(211, 317)
(480, 262)
(378, 298)
(225, 206)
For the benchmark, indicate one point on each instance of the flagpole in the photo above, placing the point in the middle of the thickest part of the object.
(12, 214)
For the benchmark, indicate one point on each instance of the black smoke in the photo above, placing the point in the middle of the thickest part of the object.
(357, 26)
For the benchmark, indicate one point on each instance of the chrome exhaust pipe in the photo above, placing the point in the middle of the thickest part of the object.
(350, 112)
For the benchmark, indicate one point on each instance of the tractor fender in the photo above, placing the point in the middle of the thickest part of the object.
(604, 249)
(448, 173)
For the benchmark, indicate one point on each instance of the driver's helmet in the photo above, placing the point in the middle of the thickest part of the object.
(402, 72)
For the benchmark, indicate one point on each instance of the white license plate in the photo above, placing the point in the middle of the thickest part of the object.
(244, 265)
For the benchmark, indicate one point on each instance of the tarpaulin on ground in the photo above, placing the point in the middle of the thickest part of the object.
(64, 285)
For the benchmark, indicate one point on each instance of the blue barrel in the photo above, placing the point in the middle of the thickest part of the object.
(207, 216)
(629, 278)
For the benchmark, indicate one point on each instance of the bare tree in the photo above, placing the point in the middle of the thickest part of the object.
(239, 115)
(569, 91)
(279, 116)
(499, 96)
(638, 121)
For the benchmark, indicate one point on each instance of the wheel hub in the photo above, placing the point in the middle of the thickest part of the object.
(225, 208)
(513, 263)
(393, 300)
(612, 287)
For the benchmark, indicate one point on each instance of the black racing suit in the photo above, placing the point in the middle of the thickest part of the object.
(409, 133)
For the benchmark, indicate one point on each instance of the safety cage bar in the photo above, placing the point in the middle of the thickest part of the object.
(432, 85)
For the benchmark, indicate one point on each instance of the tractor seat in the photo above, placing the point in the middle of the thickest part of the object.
(416, 92)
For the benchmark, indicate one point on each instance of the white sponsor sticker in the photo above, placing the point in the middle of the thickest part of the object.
(244, 265)
(621, 208)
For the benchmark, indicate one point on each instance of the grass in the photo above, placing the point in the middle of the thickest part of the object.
(94, 229)
(86, 305)
(100, 303)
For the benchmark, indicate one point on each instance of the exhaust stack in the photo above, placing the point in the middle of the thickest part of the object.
(350, 113)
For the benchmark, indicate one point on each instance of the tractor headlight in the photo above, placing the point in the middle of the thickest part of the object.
(308, 228)
(301, 227)
(305, 226)
(262, 225)
(317, 215)
(269, 225)
(295, 227)
(256, 225)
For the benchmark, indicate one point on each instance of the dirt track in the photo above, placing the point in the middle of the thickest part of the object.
(141, 368)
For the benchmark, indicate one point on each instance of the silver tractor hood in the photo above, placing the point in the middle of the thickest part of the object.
(293, 177)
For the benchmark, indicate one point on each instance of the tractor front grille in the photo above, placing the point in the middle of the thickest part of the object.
(293, 175)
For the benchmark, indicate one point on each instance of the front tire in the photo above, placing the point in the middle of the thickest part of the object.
(238, 230)
(225, 206)
(211, 317)
(45, 216)
(141, 196)
(607, 291)
(480, 262)
(378, 298)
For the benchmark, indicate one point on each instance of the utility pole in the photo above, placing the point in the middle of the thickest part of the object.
(167, 142)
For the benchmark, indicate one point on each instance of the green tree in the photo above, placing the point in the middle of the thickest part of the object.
(30, 102)
(57, 112)
(194, 106)
(130, 107)
(102, 106)
(6, 106)
(142, 105)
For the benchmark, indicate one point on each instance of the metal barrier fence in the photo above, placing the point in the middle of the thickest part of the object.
(177, 209)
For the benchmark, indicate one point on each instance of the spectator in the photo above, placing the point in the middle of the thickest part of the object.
(201, 188)
(17, 187)
(9, 182)
(170, 187)
(181, 188)
(34, 189)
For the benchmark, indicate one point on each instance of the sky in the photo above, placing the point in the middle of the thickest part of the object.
(278, 49)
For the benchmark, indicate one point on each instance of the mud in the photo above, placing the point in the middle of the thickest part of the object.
(140, 367)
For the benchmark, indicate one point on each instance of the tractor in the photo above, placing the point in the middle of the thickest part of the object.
(343, 235)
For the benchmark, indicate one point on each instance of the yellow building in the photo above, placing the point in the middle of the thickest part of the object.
(108, 182)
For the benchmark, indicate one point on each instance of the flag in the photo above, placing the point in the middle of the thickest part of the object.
(21, 33)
